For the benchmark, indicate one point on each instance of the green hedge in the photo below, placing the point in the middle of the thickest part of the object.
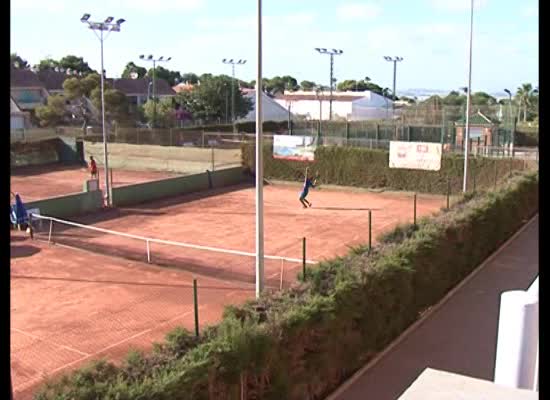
(369, 168)
(301, 344)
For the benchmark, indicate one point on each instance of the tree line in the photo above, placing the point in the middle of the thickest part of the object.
(209, 99)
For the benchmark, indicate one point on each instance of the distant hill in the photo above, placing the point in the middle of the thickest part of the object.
(423, 94)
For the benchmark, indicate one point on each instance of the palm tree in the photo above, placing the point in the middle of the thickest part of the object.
(523, 96)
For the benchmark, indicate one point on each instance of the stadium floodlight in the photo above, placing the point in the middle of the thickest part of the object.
(120, 21)
(512, 124)
(233, 62)
(331, 53)
(394, 60)
(468, 101)
(154, 61)
(108, 26)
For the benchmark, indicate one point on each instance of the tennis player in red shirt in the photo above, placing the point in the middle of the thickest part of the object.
(93, 168)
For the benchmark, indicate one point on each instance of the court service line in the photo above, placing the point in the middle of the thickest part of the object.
(340, 391)
(49, 341)
(35, 380)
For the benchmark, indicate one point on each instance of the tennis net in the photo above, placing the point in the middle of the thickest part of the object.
(236, 265)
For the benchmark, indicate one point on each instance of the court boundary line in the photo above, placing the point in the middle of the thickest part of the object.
(48, 341)
(340, 390)
(33, 381)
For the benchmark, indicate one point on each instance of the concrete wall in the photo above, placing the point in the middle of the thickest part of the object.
(155, 190)
(70, 205)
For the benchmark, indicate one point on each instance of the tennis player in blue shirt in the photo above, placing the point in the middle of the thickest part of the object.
(307, 184)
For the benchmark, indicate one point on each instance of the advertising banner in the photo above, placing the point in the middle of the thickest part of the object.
(415, 155)
(298, 148)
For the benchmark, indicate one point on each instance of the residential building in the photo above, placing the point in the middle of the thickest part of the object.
(345, 105)
(271, 109)
(18, 119)
(26, 89)
(139, 90)
(483, 131)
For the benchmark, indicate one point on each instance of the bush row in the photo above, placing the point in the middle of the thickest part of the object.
(369, 168)
(302, 343)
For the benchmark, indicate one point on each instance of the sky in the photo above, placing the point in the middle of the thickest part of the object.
(432, 36)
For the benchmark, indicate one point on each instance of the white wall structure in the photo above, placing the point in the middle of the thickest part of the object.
(516, 363)
(352, 106)
(271, 110)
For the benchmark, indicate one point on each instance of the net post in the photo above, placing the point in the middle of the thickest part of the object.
(31, 233)
(370, 230)
(196, 307)
(304, 257)
(414, 209)
(474, 172)
(50, 233)
(511, 165)
(111, 173)
(148, 251)
(448, 192)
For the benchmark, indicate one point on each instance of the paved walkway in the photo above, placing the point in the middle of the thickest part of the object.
(459, 337)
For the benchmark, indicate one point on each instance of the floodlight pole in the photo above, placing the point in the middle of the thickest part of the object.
(512, 122)
(394, 60)
(331, 53)
(259, 166)
(233, 63)
(154, 61)
(109, 26)
(468, 101)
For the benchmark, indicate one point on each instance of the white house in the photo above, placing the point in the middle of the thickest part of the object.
(352, 106)
(271, 109)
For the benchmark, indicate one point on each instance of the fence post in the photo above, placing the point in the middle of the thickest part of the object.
(474, 171)
(496, 173)
(196, 306)
(202, 139)
(111, 176)
(377, 132)
(213, 164)
(414, 215)
(370, 230)
(448, 192)
(137, 136)
(148, 252)
(511, 166)
(347, 130)
(304, 257)
(170, 142)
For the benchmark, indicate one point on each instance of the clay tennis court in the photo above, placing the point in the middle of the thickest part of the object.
(70, 306)
(38, 182)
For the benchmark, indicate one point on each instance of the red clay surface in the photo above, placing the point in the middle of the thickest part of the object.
(69, 306)
(38, 182)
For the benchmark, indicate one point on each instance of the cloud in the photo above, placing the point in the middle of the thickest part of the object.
(457, 5)
(160, 5)
(358, 11)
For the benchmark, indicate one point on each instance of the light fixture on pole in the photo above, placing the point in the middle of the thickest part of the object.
(468, 101)
(233, 63)
(394, 60)
(154, 61)
(331, 53)
(259, 166)
(512, 122)
(105, 26)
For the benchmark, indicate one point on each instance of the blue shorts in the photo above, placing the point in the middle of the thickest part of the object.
(304, 194)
